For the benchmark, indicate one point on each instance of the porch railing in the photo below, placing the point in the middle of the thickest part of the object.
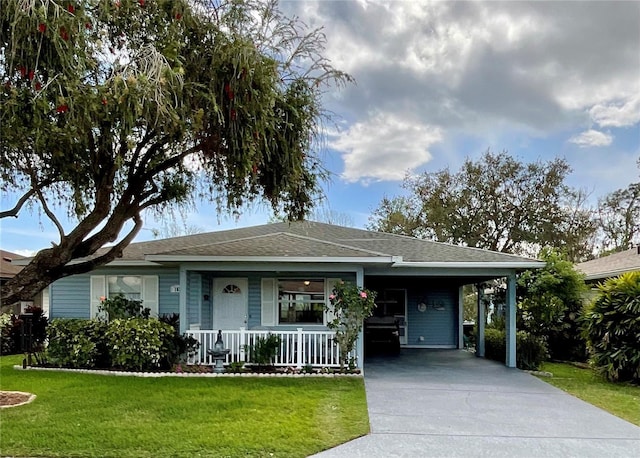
(298, 348)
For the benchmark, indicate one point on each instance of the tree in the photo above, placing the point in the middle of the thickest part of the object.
(496, 203)
(109, 108)
(619, 218)
(550, 301)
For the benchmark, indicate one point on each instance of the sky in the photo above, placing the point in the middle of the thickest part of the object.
(439, 82)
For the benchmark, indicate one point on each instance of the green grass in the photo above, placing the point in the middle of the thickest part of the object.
(107, 416)
(619, 399)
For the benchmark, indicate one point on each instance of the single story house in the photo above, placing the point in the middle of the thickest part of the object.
(615, 264)
(277, 278)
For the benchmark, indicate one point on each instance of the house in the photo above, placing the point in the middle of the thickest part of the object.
(277, 278)
(612, 265)
(9, 267)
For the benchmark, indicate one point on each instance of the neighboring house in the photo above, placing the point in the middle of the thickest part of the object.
(612, 265)
(9, 267)
(277, 278)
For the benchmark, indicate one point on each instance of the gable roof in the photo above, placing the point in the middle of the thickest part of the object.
(307, 241)
(612, 265)
(7, 268)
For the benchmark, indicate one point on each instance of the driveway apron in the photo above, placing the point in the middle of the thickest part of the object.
(448, 403)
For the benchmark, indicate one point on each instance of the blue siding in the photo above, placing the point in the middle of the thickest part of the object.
(436, 327)
(193, 297)
(70, 296)
(207, 317)
(255, 301)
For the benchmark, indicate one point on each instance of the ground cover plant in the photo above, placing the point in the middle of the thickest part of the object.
(91, 415)
(620, 399)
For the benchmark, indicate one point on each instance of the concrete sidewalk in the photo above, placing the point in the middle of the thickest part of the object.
(448, 403)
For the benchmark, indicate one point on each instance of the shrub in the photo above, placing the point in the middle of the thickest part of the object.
(119, 307)
(77, 343)
(7, 344)
(176, 347)
(264, 350)
(138, 343)
(531, 351)
(611, 326)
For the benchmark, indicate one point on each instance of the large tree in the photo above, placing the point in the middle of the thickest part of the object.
(109, 108)
(619, 218)
(496, 203)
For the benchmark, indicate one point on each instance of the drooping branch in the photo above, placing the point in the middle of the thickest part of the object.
(18, 206)
(50, 214)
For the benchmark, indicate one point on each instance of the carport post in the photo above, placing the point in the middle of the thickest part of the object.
(480, 322)
(511, 321)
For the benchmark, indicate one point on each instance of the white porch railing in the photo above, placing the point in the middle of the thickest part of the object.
(298, 348)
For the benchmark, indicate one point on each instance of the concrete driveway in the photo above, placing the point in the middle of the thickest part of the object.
(448, 403)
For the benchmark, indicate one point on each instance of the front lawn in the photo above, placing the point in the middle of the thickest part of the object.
(620, 399)
(108, 416)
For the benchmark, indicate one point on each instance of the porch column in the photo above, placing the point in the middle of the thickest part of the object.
(510, 321)
(461, 317)
(480, 322)
(183, 300)
(360, 341)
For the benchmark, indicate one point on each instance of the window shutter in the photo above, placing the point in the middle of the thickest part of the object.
(150, 293)
(98, 289)
(329, 285)
(269, 302)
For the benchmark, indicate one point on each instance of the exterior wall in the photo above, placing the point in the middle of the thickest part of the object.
(437, 326)
(254, 318)
(70, 296)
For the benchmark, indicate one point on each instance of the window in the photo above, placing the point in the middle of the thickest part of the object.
(231, 289)
(128, 286)
(301, 301)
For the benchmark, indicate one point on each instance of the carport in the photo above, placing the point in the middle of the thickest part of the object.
(449, 403)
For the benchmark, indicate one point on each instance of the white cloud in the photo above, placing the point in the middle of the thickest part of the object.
(591, 138)
(620, 114)
(26, 253)
(384, 147)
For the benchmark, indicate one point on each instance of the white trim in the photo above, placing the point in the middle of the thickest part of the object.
(608, 274)
(264, 259)
(473, 265)
(448, 347)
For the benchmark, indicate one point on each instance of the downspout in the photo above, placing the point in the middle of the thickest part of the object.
(511, 321)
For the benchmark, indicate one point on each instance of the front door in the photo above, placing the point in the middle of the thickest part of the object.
(230, 303)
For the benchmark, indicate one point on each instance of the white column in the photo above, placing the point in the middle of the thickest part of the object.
(360, 341)
(460, 317)
(480, 322)
(184, 319)
(510, 322)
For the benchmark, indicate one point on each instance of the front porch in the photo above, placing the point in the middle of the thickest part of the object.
(298, 348)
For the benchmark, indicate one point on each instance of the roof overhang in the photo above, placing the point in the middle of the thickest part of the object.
(520, 265)
(609, 274)
(159, 258)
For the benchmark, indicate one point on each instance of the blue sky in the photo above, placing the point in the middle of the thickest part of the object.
(441, 81)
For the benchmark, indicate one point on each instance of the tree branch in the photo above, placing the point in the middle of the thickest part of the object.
(50, 214)
(16, 209)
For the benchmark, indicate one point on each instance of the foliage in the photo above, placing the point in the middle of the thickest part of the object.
(349, 305)
(612, 328)
(133, 417)
(177, 347)
(264, 349)
(119, 307)
(531, 351)
(619, 218)
(550, 301)
(128, 344)
(138, 343)
(77, 343)
(7, 345)
(496, 203)
(111, 108)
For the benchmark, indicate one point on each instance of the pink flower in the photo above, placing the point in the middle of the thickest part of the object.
(102, 298)
(363, 294)
(332, 297)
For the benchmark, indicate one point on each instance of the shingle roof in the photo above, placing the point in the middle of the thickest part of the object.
(312, 239)
(7, 269)
(612, 265)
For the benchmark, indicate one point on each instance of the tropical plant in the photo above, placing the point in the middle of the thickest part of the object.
(119, 307)
(611, 327)
(349, 306)
(264, 349)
